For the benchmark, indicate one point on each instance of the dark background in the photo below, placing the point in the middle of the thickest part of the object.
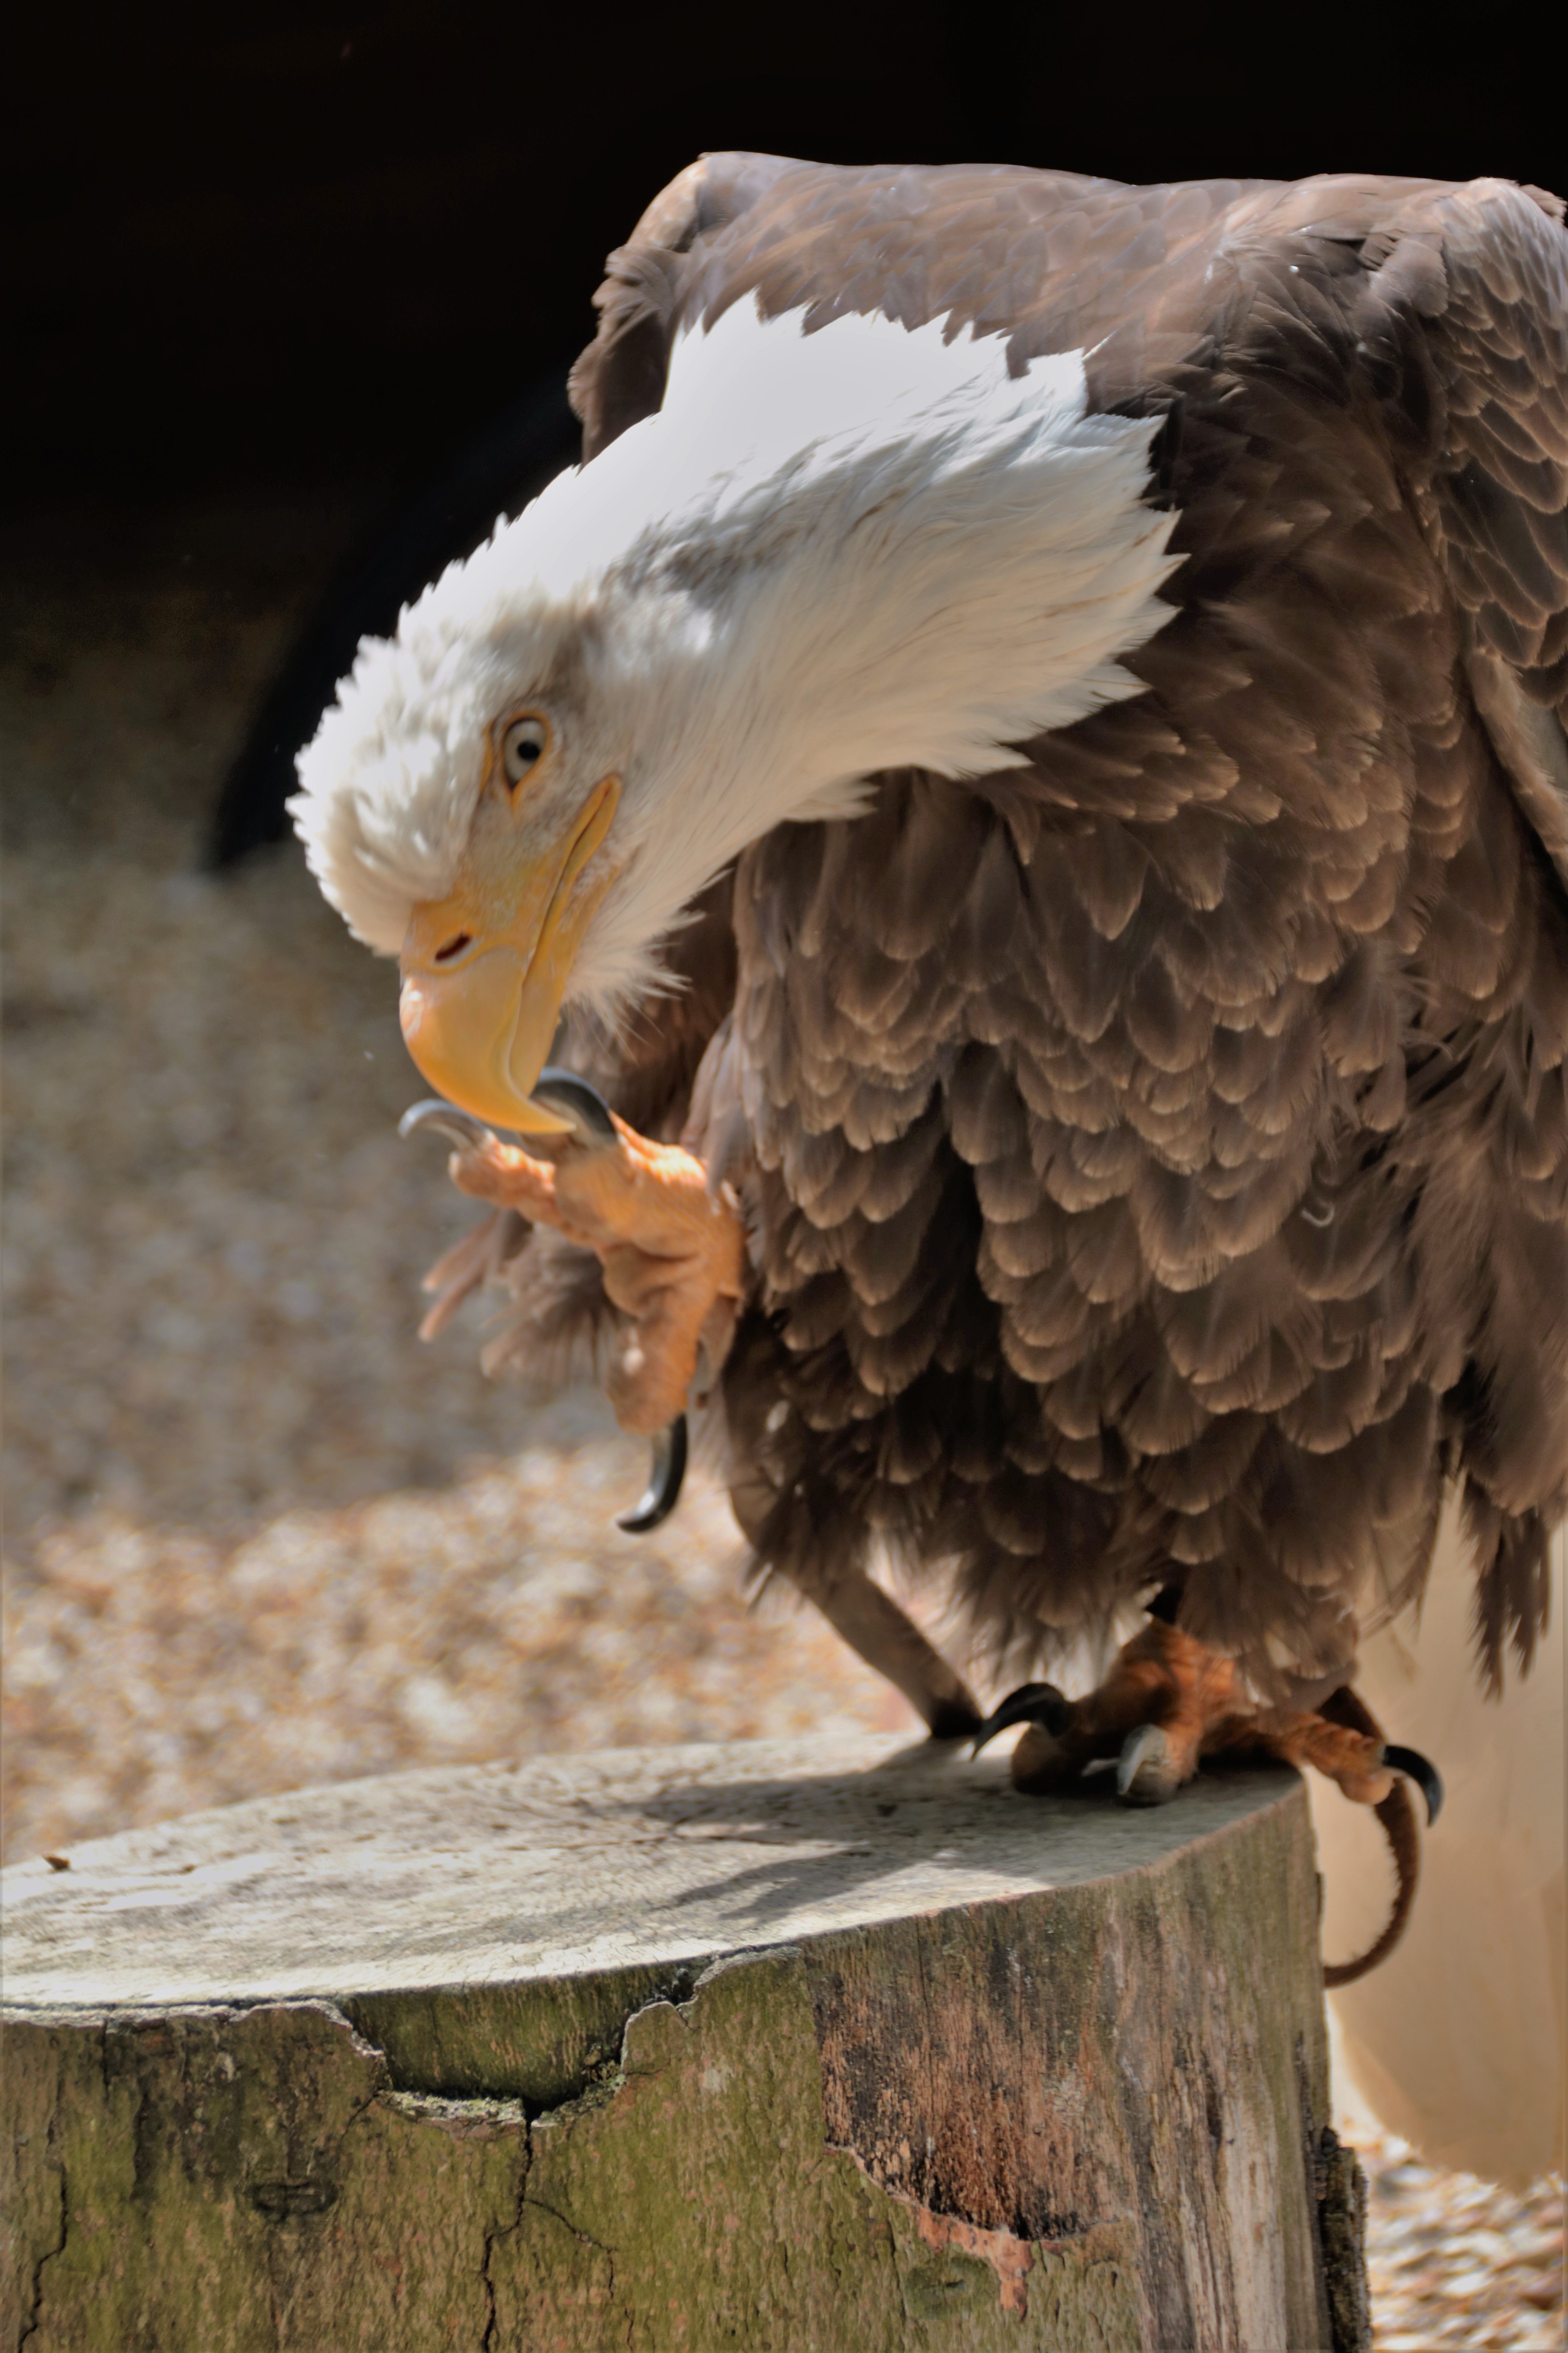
(283, 241)
(290, 287)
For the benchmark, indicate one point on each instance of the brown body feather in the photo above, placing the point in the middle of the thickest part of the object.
(1157, 1158)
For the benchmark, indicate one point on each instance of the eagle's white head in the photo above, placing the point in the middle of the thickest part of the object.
(827, 554)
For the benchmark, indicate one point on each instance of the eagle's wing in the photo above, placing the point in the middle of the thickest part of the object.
(1451, 304)
(1459, 315)
(1271, 1158)
(1496, 261)
(1064, 261)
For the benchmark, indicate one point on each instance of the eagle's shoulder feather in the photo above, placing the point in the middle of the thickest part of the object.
(1162, 1151)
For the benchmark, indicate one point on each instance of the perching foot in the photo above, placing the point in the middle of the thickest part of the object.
(1169, 1702)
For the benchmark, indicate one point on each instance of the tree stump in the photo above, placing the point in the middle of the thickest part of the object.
(771, 2045)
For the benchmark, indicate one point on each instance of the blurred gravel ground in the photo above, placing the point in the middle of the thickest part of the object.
(152, 1670)
(1458, 2262)
(256, 1536)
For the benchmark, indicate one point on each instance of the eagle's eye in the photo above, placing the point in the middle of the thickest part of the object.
(521, 746)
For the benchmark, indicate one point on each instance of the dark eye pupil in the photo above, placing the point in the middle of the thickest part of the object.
(525, 750)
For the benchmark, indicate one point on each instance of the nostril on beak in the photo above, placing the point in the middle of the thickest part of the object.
(454, 947)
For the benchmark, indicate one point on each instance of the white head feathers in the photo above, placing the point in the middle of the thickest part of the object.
(826, 555)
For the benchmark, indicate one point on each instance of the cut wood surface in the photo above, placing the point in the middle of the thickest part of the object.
(765, 2045)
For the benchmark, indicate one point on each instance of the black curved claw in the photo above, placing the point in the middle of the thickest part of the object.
(459, 1125)
(1423, 1772)
(582, 1106)
(1030, 1704)
(666, 1472)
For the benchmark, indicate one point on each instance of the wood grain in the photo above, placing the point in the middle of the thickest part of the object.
(767, 2044)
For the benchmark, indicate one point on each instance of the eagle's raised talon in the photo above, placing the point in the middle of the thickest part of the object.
(590, 1127)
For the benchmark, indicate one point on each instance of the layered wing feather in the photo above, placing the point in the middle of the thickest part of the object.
(1160, 1154)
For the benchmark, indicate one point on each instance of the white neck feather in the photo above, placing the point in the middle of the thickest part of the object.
(827, 555)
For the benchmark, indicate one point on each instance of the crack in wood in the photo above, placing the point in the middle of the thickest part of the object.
(1001, 2120)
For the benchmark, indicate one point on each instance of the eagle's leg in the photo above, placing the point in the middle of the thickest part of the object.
(673, 1250)
(877, 1629)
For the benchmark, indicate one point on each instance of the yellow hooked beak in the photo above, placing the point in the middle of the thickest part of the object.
(485, 968)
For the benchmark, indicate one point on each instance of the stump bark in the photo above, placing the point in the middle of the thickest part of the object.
(766, 2046)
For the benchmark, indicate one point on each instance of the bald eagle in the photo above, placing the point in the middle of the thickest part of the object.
(1030, 759)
